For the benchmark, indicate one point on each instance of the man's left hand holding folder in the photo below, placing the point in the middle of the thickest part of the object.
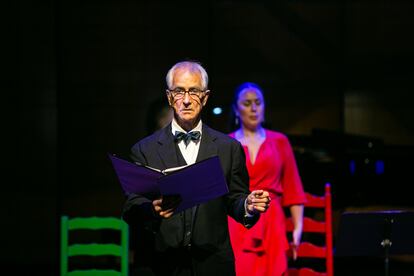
(165, 206)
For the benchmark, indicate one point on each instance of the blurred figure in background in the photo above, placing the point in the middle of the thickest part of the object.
(262, 249)
(159, 115)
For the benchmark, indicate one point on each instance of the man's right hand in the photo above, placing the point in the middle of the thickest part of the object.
(258, 202)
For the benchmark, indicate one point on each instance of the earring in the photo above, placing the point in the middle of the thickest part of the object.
(236, 120)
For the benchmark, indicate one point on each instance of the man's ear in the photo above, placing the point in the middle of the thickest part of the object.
(169, 98)
(205, 98)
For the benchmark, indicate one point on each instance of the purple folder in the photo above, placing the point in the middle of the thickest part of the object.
(193, 184)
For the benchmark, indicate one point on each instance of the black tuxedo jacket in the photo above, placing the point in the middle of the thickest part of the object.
(161, 240)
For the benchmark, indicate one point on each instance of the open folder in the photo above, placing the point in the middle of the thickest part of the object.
(191, 184)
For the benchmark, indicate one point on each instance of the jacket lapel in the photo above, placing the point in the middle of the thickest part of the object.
(208, 147)
(167, 149)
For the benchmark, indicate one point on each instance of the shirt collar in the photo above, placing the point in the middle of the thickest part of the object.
(175, 127)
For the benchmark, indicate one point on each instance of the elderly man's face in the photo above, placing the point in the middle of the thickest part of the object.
(187, 108)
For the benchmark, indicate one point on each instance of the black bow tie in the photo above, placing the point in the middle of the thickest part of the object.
(186, 137)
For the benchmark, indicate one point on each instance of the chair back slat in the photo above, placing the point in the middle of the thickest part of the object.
(309, 250)
(94, 272)
(95, 223)
(315, 201)
(304, 272)
(93, 249)
(309, 225)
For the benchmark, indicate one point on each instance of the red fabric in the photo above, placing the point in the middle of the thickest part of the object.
(261, 250)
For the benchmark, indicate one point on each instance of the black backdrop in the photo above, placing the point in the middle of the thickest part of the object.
(80, 76)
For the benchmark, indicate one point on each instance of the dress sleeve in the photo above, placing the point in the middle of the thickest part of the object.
(293, 192)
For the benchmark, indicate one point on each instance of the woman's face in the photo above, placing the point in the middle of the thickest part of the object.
(250, 108)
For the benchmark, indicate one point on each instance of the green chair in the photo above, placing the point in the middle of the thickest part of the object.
(93, 249)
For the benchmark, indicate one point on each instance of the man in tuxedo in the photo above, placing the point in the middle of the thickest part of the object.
(194, 242)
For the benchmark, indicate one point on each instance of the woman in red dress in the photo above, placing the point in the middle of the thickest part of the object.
(271, 164)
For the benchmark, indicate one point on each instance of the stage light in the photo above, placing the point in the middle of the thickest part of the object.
(217, 110)
(379, 167)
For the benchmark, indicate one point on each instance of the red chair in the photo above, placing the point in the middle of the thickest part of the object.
(321, 226)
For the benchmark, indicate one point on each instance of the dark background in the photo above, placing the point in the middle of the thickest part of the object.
(80, 76)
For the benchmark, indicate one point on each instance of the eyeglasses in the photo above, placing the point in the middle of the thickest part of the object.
(179, 93)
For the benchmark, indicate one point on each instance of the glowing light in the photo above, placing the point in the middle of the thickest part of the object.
(352, 167)
(379, 167)
(217, 110)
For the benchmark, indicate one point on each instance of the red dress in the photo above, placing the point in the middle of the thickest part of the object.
(261, 250)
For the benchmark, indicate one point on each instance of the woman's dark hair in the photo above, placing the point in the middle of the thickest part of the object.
(242, 87)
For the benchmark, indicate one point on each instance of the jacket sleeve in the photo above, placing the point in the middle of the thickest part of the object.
(239, 188)
(138, 209)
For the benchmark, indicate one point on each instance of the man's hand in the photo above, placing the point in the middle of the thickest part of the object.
(164, 213)
(257, 202)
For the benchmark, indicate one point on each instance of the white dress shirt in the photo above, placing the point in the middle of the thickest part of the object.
(190, 151)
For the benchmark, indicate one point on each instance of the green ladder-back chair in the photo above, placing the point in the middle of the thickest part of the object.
(93, 249)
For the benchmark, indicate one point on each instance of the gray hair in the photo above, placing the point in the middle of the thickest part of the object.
(191, 66)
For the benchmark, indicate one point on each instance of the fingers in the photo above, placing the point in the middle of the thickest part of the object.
(259, 200)
(157, 205)
(294, 248)
(260, 194)
(294, 254)
(261, 207)
(167, 213)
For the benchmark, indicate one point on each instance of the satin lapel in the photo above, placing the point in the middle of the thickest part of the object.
(208, 147)
(166, 149)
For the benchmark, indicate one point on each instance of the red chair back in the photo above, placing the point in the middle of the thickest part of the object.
(321, 226)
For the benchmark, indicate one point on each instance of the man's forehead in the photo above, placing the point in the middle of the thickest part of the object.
(186, 76)
(186, 71)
